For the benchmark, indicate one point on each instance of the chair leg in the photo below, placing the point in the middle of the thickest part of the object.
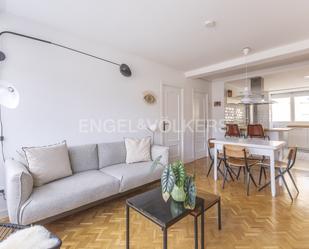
(230, 171)
(265, 175)
(210, 167)
(225, 176)
(219, 215)
(233, 172)
(260, 177)
(286, 186)
(251, 177)
(293, 181)
(218, 167)
(248, 182)
(267, 184)
(220, 171)
(238, 174)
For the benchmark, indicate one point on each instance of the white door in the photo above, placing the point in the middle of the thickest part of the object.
(172, 98)
(200, 107)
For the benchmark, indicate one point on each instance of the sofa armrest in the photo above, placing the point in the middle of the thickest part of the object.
(158, 150)
(19, 186)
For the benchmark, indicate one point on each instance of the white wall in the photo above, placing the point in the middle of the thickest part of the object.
(290, 79)
(58, 88)
(217, 113)
(2, 5)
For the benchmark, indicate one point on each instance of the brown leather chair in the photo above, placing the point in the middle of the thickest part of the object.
(256, 131)
(232, 130)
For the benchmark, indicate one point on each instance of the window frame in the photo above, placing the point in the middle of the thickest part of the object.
(292, 94)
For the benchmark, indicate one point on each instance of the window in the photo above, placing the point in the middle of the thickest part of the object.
(301, 108)
(290, 107)
(281, 110)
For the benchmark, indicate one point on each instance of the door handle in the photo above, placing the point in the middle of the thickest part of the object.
(165, 124)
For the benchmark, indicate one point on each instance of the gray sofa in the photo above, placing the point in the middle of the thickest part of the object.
(99, 172)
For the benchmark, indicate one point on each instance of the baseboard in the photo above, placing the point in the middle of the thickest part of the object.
(189, 160)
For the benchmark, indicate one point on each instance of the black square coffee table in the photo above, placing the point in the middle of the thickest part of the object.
(152, 206)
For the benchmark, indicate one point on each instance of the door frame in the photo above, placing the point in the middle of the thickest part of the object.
(193, 118)
(162, 85)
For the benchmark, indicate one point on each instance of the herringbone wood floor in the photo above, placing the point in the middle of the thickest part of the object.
(254, 222)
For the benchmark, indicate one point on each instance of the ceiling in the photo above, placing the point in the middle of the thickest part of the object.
(172, 32)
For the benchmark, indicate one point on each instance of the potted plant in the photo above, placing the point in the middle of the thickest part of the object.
(177, 184)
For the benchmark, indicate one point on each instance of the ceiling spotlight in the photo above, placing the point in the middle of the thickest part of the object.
(246, 50)
(210, 23)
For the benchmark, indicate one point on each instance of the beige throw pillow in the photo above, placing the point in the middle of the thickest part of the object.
(138, 150)
(48, 163)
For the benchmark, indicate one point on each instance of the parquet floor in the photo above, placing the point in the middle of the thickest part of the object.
(254, 222)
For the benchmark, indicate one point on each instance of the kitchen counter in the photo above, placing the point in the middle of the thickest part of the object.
(285, 129)
(278, 129)
(275, 134)
(278, 134)
(299, 126)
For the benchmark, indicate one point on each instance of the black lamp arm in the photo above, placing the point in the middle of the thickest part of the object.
(124, 69)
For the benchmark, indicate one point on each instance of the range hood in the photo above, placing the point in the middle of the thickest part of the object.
(254, 93)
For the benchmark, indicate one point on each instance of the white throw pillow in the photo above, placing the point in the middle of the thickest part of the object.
(48, 163)
(138, 150)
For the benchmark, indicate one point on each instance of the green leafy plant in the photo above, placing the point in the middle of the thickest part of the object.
(168, 180)
(177, 184)
(180, 173)
(190, 190)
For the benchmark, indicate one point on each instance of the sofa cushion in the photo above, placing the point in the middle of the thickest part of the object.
(48, 163)
(66, 194)
(134, 175)
(84, 157)
(138, 149)
(111, 153)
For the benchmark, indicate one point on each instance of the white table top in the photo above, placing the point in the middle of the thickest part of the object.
(252, 143)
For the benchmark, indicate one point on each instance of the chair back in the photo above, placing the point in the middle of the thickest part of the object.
(232, 130)
(255, 131)
(234, 151)
(210, 146)
(292, 157)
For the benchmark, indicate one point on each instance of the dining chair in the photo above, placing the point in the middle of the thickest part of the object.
(256, 131)
(284, 167)
(211, 154)
(232, 130)
(238, 157)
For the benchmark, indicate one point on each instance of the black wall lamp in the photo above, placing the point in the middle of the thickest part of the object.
(123, 68)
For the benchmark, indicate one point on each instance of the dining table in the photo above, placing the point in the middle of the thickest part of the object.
(272, 149)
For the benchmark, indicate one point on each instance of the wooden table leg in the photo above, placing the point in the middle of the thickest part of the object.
(127, 227)
(219, 215)
(164, 238)
(202, 226)
(196, 232)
